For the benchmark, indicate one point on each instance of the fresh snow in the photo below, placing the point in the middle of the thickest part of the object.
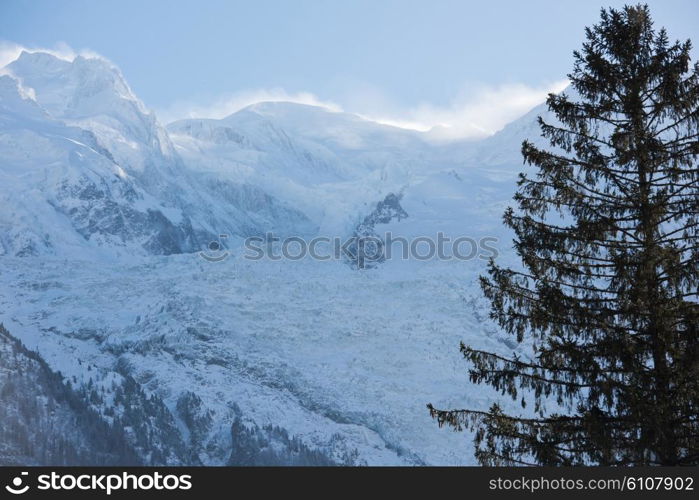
(105, 210)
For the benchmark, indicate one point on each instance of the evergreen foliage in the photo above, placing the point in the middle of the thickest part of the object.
(608, 235)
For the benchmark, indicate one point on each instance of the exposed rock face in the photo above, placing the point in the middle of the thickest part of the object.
(385, 211)
(367, 248)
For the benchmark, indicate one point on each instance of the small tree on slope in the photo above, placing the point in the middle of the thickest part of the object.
(608, 235)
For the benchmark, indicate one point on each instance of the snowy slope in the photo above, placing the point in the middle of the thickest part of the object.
(340, 359)
(333, 166)
(345, 360)
(47, 422)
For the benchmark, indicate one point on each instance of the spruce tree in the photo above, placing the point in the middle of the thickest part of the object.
(607, 230)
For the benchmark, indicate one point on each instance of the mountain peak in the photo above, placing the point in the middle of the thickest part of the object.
(72, 88)
(286, 108)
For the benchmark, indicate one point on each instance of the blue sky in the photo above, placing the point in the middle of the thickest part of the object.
(414, 63)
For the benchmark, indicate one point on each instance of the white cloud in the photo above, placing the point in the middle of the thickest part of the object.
(229, 104)
(477, 112)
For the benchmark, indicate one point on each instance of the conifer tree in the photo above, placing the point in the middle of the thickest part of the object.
(607, 231)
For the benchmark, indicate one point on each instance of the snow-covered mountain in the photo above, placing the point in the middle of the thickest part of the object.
(331, 165)
(314, 361)
(86, 168)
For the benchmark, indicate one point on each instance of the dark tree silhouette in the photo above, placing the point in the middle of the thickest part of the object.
(607, 295)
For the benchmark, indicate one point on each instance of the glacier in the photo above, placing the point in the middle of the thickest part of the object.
(105, 211)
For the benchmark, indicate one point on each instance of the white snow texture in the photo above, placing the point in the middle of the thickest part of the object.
(105, 211)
